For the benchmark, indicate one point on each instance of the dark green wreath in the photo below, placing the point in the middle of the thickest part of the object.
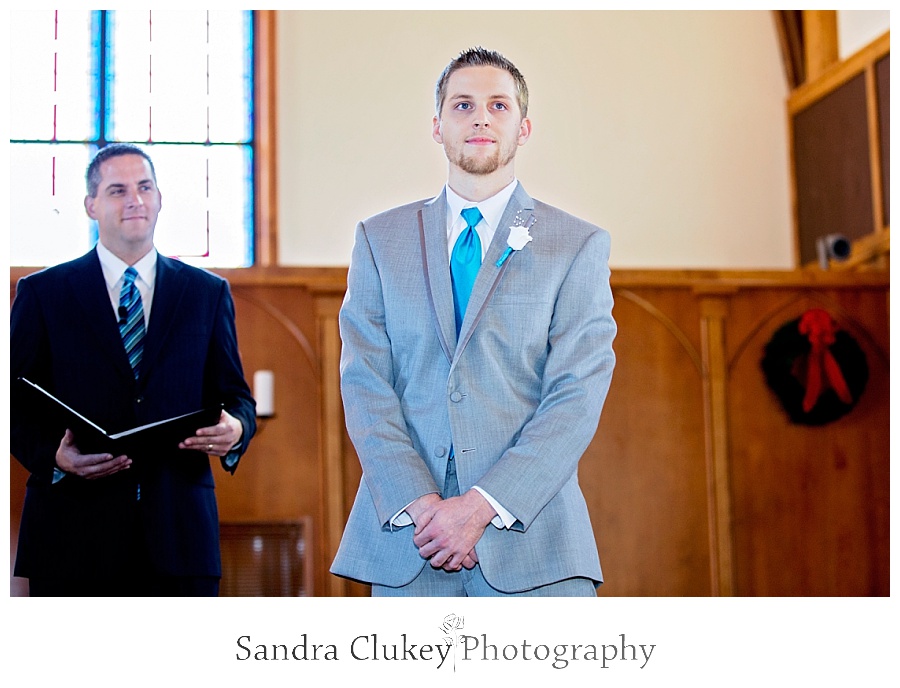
(786, 362)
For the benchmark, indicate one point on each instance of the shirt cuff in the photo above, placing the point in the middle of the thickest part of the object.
(231, 459)
(401, 518)
(503, 519)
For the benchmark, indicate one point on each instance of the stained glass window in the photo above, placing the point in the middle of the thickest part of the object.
(178, 83)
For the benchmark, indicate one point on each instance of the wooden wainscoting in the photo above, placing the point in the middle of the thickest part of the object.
(697, 482)
(266, 559)
(287, 323)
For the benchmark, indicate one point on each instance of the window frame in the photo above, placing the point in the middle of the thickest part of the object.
(265, 238)
(265, 247)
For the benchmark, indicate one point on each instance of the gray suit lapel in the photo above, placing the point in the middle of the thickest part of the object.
(436, 263)
(519, 207)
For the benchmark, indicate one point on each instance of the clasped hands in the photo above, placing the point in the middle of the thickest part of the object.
(216, 439)
(447, 530)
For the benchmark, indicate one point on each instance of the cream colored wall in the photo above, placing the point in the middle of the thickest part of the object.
(858, 28)
(666, 128)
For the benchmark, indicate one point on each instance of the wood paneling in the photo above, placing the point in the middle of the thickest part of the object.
(288, 473)
(697, 482)
(810, 503)
(265, 559)
(832, 167)
(644, 475)
(882, 88)
(840, 137)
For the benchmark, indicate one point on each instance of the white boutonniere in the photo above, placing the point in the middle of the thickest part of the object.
(518, 238)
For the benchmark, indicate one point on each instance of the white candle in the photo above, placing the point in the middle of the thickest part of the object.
(264, 392)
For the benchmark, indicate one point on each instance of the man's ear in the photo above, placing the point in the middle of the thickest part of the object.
(524, 131)
(436, 129)
(89, 207)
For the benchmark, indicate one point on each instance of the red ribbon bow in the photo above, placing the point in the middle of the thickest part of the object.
(820, 328)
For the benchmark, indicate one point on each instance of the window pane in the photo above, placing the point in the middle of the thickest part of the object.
(207, 204)
(159, 76)
(47, 220)
(181, 76)
(181, 83)
(230, 77)
(52, 76)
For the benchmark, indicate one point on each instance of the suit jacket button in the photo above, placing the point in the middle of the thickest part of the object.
(440, 451)
(456, 396)
(138, 400)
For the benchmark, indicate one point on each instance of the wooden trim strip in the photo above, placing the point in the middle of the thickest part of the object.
(666, 322)
(714, 312)
(820, 41)
(265, 134)
(874, 148)
(333, 280)
(332, 441)
(790, 38)
(840, 73)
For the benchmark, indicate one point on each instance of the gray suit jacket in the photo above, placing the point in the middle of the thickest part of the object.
(518, 396)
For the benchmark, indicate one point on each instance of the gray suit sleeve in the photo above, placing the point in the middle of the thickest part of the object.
(393, 470)
(575, 383)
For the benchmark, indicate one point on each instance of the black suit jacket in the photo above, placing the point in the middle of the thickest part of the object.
(64, 336)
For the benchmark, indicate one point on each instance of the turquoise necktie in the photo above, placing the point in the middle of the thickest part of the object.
(464, 264)
(131, 321)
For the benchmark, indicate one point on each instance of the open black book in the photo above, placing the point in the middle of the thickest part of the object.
(90, 438)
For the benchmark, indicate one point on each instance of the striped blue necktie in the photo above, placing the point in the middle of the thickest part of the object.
(464, 264)
(131, 321)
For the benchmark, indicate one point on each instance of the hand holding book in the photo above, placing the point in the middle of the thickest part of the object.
(218, 439)
(90, 438)
(89, 466)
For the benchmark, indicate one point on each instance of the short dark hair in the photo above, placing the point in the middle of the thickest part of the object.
(481, 57)
(92, 177)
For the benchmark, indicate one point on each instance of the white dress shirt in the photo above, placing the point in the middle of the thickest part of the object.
(491, 213)
(114, 274)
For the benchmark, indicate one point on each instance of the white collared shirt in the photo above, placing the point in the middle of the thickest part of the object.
(492, 210)
(114, 274)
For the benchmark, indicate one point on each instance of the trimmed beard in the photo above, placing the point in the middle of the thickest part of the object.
(480, 166)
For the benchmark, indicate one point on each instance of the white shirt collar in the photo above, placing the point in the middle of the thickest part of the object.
(491, 208)
(114, 267)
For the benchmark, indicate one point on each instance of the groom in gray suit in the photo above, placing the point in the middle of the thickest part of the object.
(477, 353)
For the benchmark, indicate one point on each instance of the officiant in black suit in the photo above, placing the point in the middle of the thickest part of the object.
(126, 337)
